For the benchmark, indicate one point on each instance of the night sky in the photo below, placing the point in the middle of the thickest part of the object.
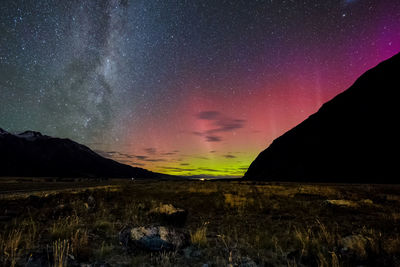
(183, 87)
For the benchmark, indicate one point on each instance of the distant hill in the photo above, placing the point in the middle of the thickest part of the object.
(352, 138)
(36, 155)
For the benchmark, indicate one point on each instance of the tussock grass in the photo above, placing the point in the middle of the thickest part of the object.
(60, 253)
(80, 244)
(10, 247)
(199, 236)
(248, 224)
(64, 227)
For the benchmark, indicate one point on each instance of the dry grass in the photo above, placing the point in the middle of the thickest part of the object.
(60, 253)
(80, 243)
(239, 202)
(248, 224)
(62, 228)
(199, 236)
(10, 247)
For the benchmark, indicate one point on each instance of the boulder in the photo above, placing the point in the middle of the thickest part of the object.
(90, 205)
(62, 210)
(355, 244)
(169, 215)
(341, 203)
(152, 238)
(192, 252)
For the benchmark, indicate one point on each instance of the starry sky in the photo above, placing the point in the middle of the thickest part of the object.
(183, 87)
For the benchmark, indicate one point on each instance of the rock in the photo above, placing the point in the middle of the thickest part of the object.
(96, 264)
(247, 262)
(366, 202)
(191, 252)
(354, 244)
(90, 205)
(341, 203)
(40, 258)
(187, 252)
(196, 253)
(152, 238)
(62, 210)
(170, 215)
(91, 202)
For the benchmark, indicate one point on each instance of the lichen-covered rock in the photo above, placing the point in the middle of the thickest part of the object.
(168, 214)
(153, 238)
(341, 203)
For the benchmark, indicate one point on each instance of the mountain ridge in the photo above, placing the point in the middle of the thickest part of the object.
(349, 139)
(33, 154)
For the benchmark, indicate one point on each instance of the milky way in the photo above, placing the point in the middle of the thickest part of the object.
(183, 87)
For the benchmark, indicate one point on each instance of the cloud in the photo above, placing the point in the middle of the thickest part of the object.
(177, 169)
(198, 133)
(150, 150)
(169, 153)
(213, 138)
(102, 153)
(141, 157)
(210, 170)
(125, 157)
(227, 125)
(146, 158)
(202, 157)
(219, 124)
(133, 163)
(228, 156)
(113, 154)
(208, 115)
(154, 160)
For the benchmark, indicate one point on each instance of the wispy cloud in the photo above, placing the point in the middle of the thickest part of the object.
(208, 115)
(154, 160)
(139, 157)
(178, 169)
(169, 153)
(227, 125)
(219, 124)
(213, 138)
(150, 150)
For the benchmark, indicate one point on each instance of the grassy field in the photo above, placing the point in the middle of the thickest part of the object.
(228, 223)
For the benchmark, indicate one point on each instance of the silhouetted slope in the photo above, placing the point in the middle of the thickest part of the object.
(352, 138)
(33, 154)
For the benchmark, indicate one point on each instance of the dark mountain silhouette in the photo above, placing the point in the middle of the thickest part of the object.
(352, 138)
(36, 155)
